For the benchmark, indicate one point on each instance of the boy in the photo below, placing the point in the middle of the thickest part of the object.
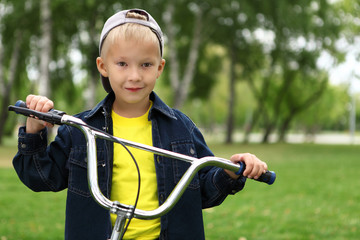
(130, 61)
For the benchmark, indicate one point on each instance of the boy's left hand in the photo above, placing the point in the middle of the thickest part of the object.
(254, 167)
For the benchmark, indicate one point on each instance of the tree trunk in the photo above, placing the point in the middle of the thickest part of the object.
(8, 86)
(249, 127)
(230, 118)
(266, 136)
(45, 52)
(295, 110)
(2, 80)
(283, 129)
(90, 92)
(181, 85)
(261, 95)
(190, 67)
(174, 63)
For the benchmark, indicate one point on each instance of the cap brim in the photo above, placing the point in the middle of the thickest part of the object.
(106, 83)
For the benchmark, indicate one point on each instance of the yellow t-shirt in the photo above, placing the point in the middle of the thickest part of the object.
(125, 178)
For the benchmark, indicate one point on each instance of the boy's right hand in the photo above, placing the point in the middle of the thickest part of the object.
(41, 104)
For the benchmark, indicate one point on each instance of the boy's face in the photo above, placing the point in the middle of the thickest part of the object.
(132, 68)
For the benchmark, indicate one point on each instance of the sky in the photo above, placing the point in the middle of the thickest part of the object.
(347, 72)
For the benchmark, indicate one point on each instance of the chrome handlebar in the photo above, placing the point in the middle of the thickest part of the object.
(123, 211)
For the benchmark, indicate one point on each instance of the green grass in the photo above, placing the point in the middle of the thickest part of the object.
(315, 196)
(25, 214)
(28, 215)
(7, 152)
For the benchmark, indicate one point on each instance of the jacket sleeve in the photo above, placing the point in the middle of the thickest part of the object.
(41, 167)
(215, 183)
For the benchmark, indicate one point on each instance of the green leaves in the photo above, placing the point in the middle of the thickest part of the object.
(274, 47)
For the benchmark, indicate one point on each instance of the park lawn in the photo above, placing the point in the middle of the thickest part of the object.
(315, 196)
(28, 215)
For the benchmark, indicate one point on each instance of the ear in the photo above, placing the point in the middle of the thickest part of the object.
(160, 68)
(101, 67)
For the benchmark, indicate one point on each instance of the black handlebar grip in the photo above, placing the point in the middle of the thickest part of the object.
(53, 116)
(267, 177)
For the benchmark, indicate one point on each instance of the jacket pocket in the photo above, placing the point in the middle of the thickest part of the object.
(179, 166)
(78, 182)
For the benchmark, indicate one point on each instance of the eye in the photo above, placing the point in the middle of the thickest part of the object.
(146, 65)
(121, 64)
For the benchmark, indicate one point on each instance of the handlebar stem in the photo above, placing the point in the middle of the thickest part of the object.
(196, 165)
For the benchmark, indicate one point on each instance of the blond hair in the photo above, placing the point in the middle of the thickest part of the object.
(130, 31)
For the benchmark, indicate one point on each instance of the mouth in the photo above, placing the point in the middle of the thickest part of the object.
(133, 89)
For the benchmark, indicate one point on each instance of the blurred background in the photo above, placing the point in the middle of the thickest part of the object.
(247, 70)
(277, 78)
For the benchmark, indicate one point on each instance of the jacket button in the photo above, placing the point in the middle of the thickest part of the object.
(192, 151)
(23, 145)
(161, 198)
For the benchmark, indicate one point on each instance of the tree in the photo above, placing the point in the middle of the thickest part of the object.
(298, 106)
(180, 83)
(272, 46)
(329, 113)
(232, 24)
(45, 48)
(301, 32)
(6, 87)
(15, 34)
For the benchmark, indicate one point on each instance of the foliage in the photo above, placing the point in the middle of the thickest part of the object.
(272, 46)
(210, 63)
(328, 113)
(292, 80)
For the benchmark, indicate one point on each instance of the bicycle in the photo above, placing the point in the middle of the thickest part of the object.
(123, 211)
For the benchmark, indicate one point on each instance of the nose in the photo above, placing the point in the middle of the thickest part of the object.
(134, 74)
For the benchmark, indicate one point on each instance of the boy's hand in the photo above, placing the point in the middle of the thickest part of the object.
(254, 167)
(41, 104)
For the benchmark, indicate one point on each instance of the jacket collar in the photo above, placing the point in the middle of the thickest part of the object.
(158, 106)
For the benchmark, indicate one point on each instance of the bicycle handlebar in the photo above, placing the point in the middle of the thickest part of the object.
(125, 211)
(56, 117)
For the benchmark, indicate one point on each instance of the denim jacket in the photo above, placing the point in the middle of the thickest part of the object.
(63, 165)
